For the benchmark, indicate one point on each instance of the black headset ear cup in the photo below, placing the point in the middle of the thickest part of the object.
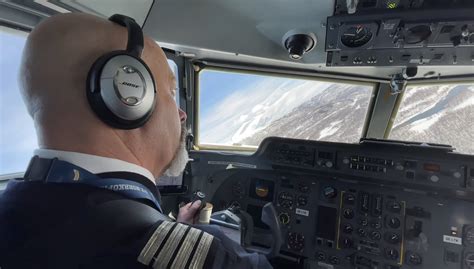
(97, 103)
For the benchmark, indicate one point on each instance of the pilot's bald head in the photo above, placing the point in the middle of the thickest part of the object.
(58, 55)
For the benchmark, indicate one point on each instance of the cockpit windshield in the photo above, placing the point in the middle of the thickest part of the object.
(241, 109)
(238, 110)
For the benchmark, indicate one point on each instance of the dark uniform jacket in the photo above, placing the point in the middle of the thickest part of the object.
(57, 225)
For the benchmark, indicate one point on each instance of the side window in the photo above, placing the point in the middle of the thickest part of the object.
(17, 132)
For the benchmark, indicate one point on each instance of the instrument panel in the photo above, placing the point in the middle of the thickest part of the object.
(358, 206)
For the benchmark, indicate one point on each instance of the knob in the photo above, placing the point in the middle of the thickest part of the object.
(434, 178)
(465, 31)
(284, 218)
(347, 228)
(361, 232)
(391, 253)
(329, 192)
(364, 222)
(334, 260)
(394, 223)
(457, 174)
(348, 213)
(414, 258)
(321, 256)
(392, 238)
(375, 235)
(329, 164)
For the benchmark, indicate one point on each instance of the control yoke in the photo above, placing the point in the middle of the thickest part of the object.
(239, 220)
(269, 217)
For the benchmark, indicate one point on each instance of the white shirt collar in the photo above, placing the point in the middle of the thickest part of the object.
(95, 164)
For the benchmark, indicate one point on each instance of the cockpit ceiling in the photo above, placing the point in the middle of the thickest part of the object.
(248, 31)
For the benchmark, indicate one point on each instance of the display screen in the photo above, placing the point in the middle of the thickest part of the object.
(262, 189)
(326, 222)
(256, 213)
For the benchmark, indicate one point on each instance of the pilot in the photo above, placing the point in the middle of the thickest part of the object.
(102, 98)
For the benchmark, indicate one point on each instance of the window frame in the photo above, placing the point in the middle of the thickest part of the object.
(198, 67)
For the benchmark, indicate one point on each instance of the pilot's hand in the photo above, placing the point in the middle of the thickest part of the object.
(189, 213)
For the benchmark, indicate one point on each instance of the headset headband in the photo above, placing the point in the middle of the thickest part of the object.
(135, 34)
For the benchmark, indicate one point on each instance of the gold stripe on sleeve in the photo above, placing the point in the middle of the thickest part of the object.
(186, 248)
(170, 246)
(201, 252)
(154, 242)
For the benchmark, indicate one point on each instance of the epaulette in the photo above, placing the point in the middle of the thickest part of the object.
(175, 245)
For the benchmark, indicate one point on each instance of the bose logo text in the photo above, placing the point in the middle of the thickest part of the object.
(130, 84)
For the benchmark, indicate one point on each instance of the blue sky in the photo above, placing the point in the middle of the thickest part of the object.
(215, 86)
(17, 134)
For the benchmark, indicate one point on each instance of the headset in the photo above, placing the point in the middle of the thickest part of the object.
(120, 86)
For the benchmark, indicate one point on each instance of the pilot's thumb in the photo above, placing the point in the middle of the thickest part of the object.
(196, 205)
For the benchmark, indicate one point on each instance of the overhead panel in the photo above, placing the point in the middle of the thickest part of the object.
(401, 33)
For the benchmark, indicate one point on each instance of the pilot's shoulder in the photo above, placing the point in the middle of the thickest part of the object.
(177, 245)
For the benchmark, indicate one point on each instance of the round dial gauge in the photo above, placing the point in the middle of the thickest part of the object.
(356, 36)
(469, 236)
(285, 200)
(295, 241)
(284, 218)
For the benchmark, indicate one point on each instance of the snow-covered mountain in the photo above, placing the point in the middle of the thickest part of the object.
(248, 111)
(336, 112)
(437, 114)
